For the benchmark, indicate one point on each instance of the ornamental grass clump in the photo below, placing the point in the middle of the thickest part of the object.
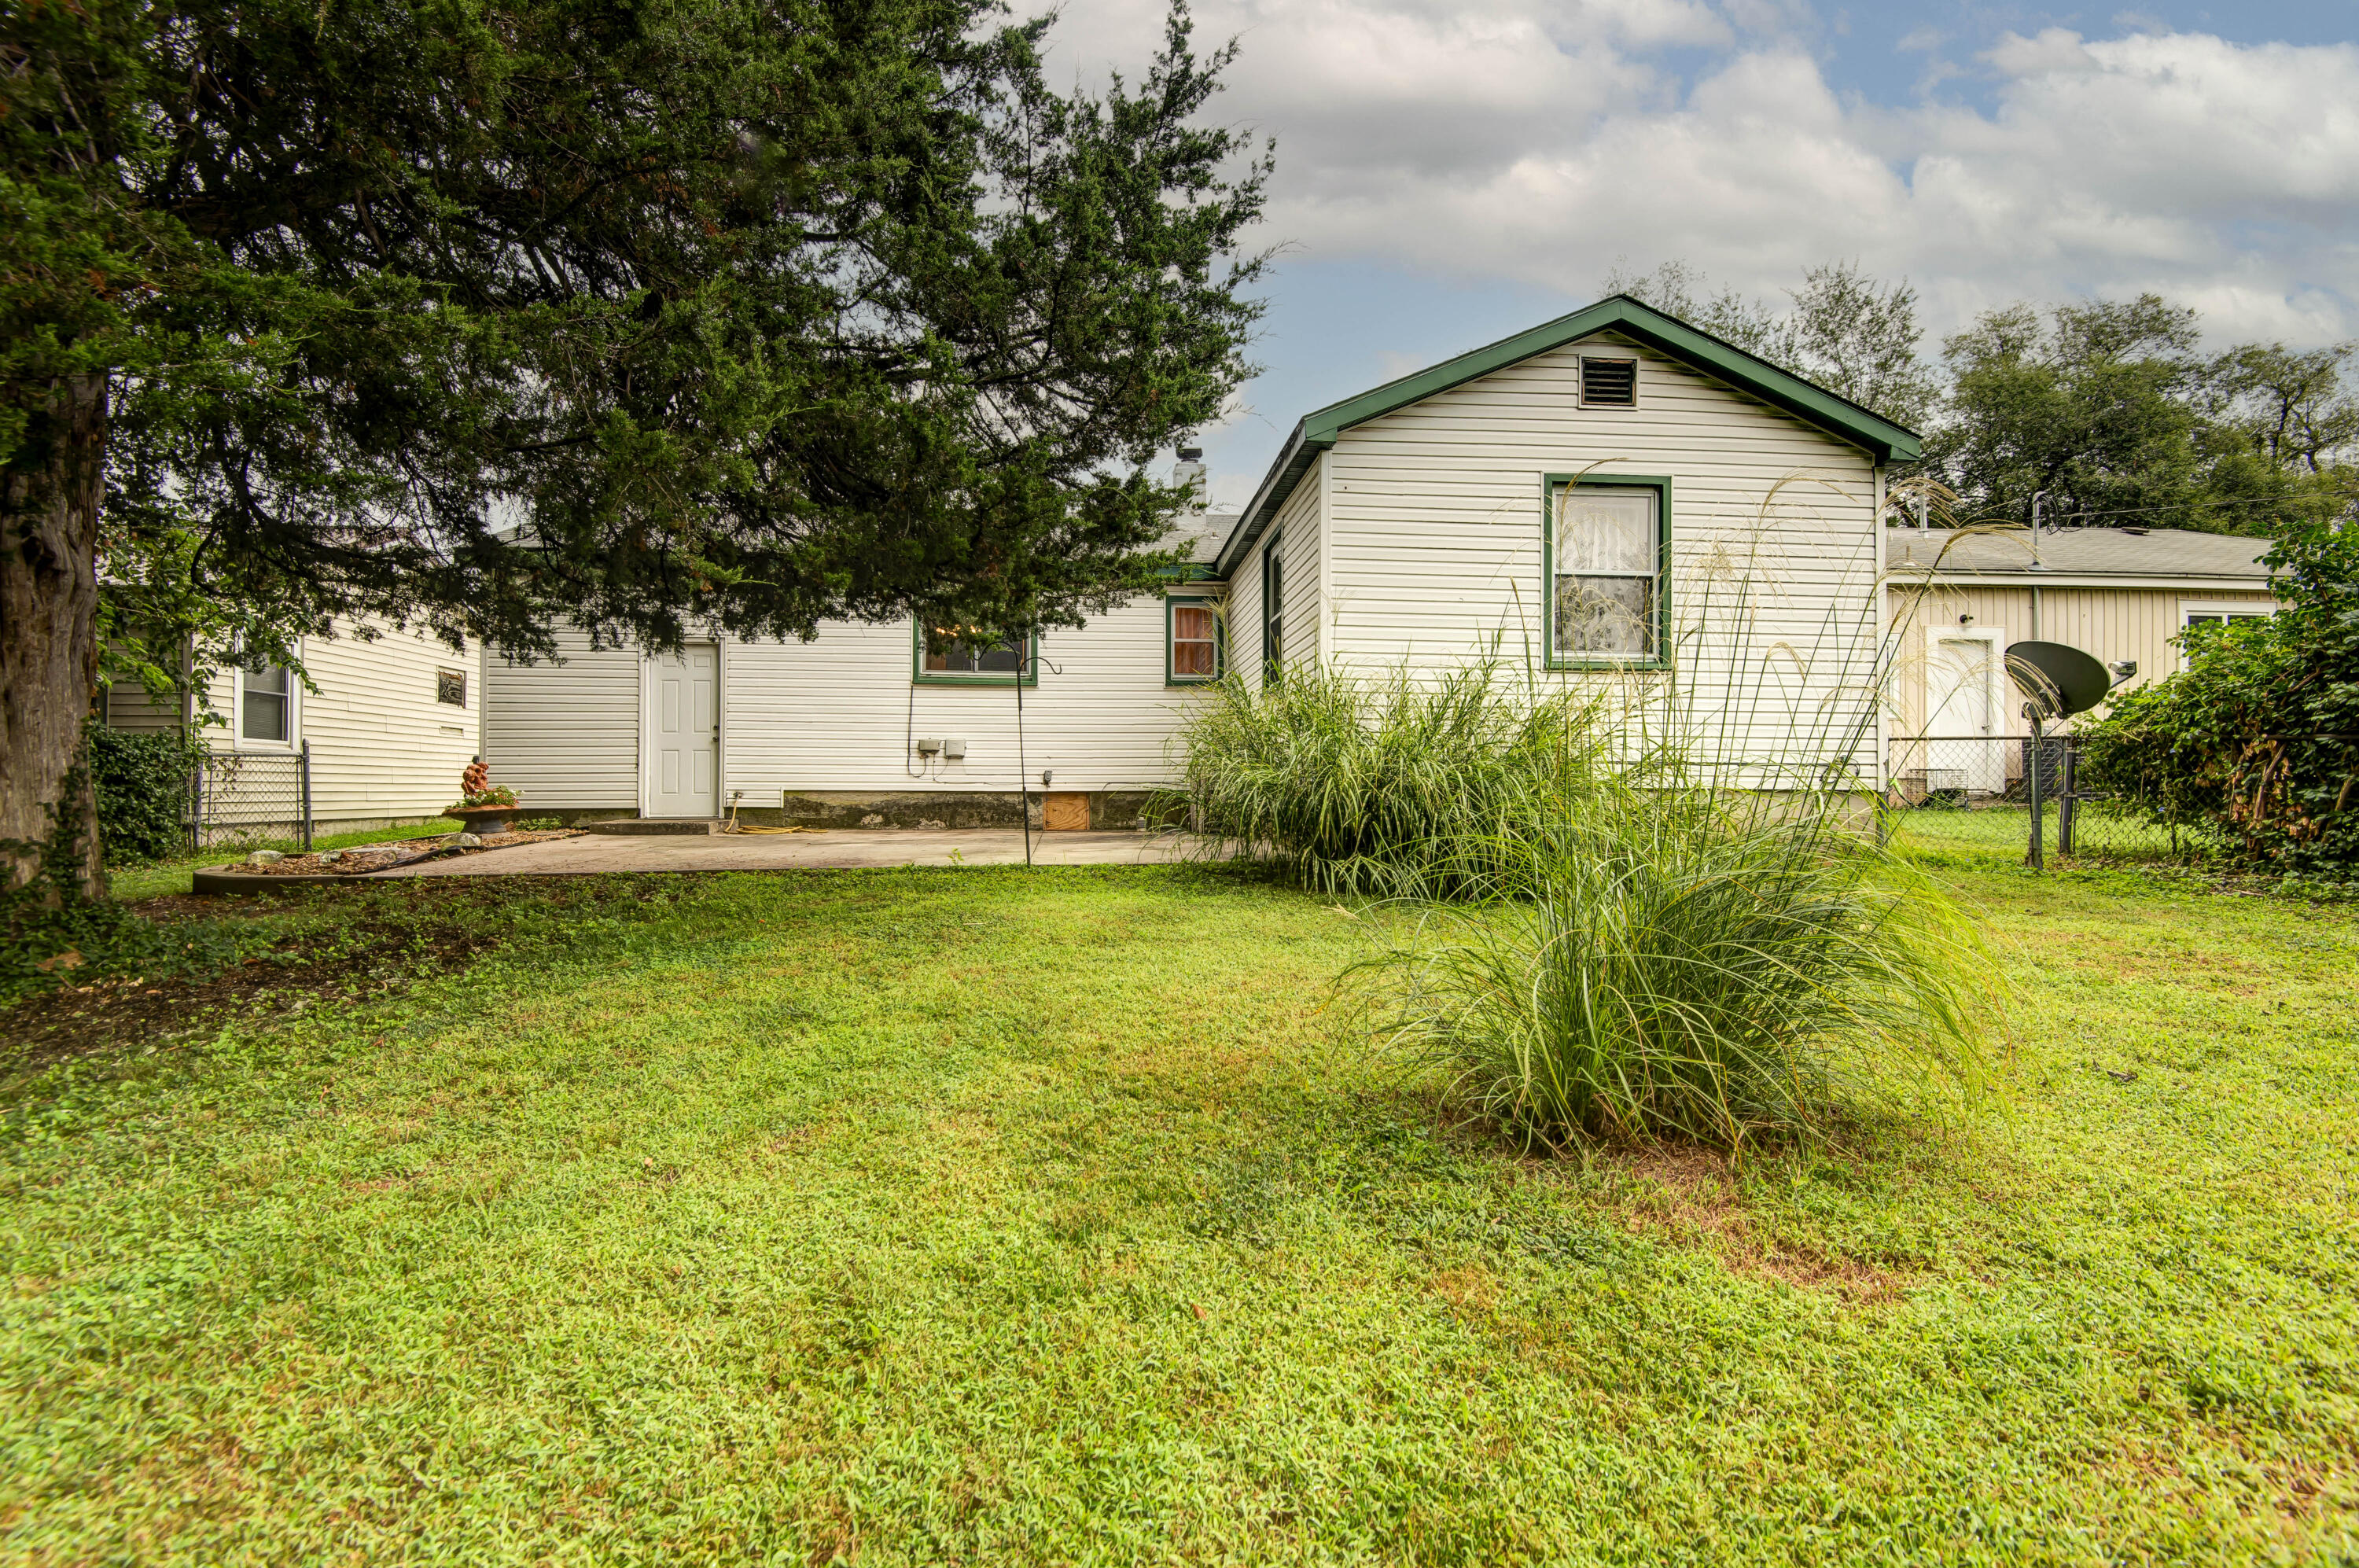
(1406, 785)
(1692, 963)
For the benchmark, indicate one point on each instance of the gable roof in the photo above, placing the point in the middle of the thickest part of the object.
(1667, 335)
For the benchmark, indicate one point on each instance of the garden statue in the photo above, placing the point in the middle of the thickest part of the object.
(484, 806)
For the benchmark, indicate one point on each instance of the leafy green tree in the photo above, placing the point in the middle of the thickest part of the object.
(2256, 741)
(485, 314)
(2090, 407)
(1844, 330)
(2277, 434)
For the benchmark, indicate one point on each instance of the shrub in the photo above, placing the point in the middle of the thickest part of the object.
(142, 782)
(1405, 786)
(1685, 963)
(2256, 742)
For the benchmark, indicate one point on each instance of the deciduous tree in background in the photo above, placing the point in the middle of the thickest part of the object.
(483, 314)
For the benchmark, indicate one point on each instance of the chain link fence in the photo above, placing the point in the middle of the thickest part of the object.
(238, 798)
(1991, 777)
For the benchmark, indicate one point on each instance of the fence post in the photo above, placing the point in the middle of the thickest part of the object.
(2037, 859)
(307, 795)
(197, 806)
(2066, 803)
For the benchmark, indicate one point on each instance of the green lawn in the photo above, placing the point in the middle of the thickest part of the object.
(982, 1216)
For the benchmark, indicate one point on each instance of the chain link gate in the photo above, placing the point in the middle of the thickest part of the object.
(242, 799)
(1992, 777)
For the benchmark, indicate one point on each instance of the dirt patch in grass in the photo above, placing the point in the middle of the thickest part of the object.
(342, 944)
(1690, 1194)
(370, 954)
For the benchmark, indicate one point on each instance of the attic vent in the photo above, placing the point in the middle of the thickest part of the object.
(1609, 382)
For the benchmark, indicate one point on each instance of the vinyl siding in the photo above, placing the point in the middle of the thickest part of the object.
(1300, 543)
(2112, 623)
(1296, 534)
(839, 713)
(564, 735)
(129, 707)
(1244, 612)
(381, 745)
(1436, 514)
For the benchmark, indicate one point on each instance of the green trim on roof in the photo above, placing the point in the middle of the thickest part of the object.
(1886, 441)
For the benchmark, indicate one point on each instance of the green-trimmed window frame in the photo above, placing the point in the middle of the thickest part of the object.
(998, 679)
(1550, 483)
(1172, 604)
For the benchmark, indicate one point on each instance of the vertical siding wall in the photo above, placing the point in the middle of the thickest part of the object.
(1299, 546)
(566, 735)
(129, 707)
(2114, 624)
(1244, 609)
(381, 744)
(1436, 514)
(839, 713)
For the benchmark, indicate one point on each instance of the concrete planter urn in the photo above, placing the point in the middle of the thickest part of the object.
(482, 819)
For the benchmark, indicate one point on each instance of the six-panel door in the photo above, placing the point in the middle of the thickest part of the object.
(684, 689)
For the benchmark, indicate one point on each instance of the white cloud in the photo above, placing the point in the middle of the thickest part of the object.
(1540, 139)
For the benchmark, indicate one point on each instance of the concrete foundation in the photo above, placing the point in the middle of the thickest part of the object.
(1053, 810)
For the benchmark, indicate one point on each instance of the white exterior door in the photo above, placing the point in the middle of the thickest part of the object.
(1965, 743)
(684, 733)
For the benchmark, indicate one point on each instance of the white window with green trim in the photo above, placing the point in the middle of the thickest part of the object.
(1192, 640)
(1606, 544)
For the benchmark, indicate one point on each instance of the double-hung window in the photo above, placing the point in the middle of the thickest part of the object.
(263, 704)
(1606, 547)
(1192, 629)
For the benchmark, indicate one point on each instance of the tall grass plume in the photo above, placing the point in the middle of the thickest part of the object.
(1403, 785)
(1681, 961)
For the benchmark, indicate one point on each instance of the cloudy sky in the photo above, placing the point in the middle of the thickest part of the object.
(1453, 170)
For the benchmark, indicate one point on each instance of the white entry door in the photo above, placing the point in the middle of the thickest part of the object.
(684, 733)
(1965, 741)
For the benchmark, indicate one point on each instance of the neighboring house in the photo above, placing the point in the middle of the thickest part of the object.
(1603, 500)
(390, 727)
(1958, 598)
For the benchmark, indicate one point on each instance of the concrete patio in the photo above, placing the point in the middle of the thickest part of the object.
(806, 852)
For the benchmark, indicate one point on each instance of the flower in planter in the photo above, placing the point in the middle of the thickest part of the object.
(478, 791)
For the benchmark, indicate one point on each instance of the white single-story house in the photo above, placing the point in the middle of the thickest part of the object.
(394, 720)
(1614, 498)
(1957, 599)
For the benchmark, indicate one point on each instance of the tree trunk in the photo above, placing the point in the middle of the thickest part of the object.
(48, 618)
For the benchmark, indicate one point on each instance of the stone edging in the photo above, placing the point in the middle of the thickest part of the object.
(221, 880)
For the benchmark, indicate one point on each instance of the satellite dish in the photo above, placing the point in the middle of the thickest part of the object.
(2059, 680)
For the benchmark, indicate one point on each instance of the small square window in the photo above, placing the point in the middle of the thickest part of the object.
(1609, 382)
(450, 686)
(1195, 650)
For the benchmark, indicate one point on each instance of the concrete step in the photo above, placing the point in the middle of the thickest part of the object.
(636, 827)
